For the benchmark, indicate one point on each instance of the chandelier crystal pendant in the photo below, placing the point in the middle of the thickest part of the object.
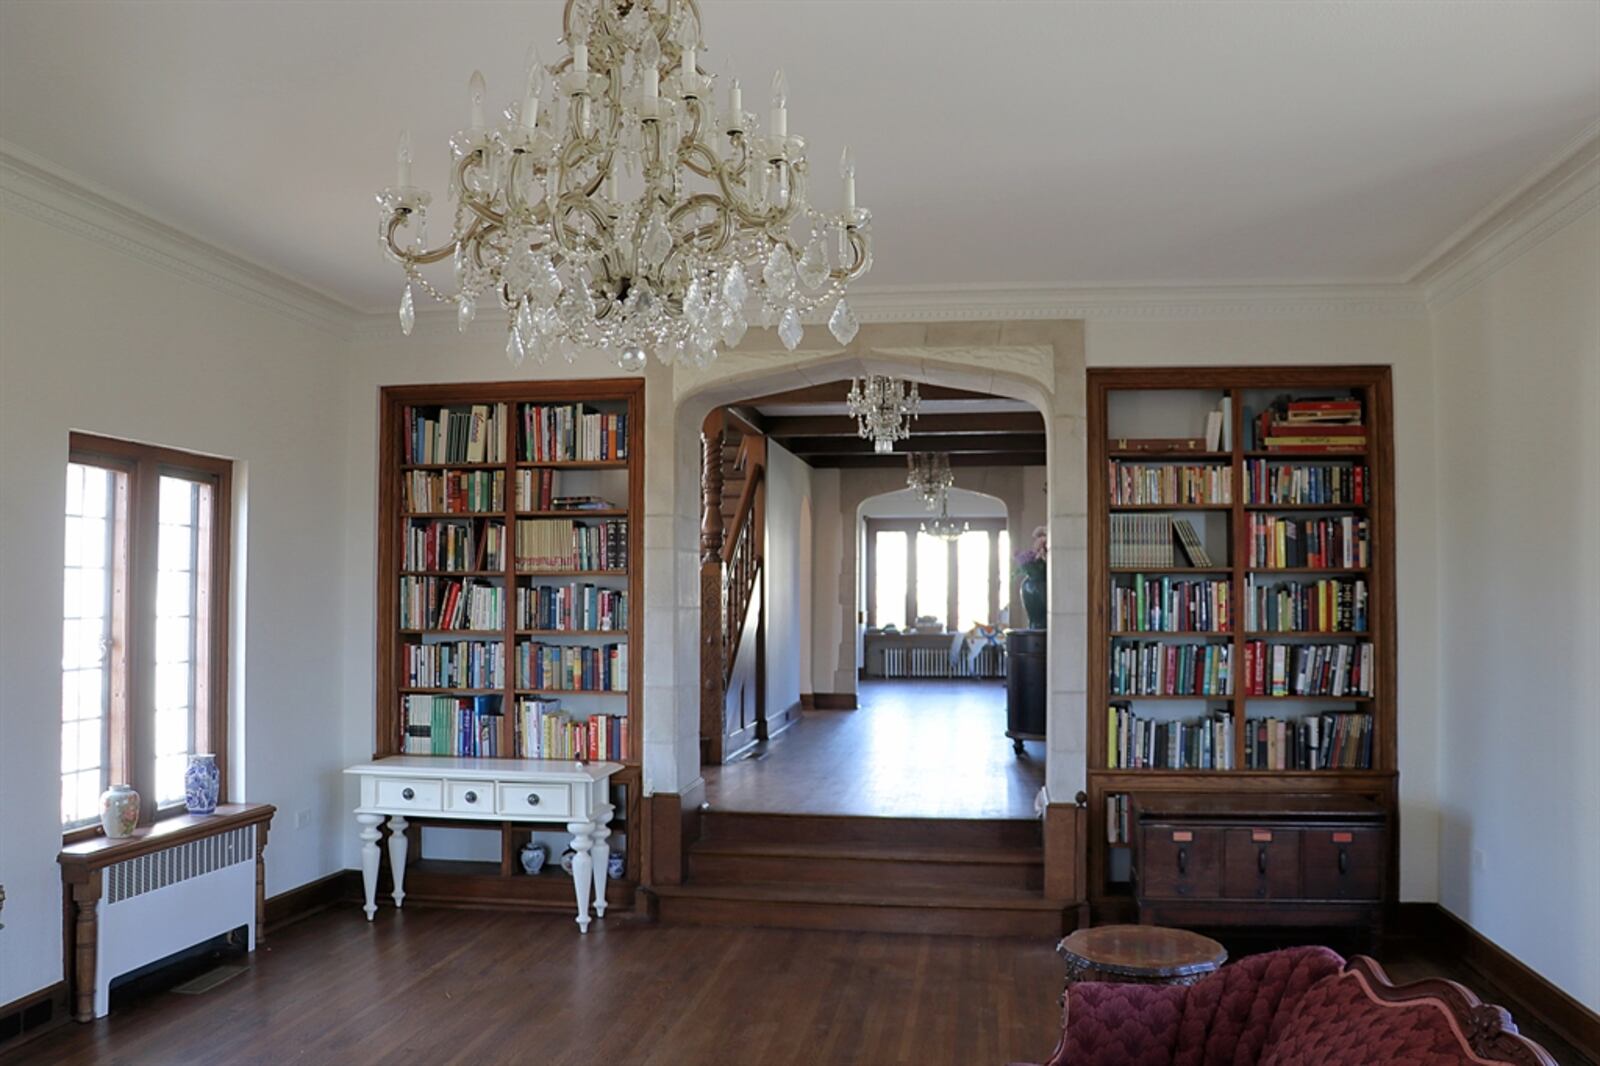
(944, 527)
(930, 475)
(883, 408)
(627, 212)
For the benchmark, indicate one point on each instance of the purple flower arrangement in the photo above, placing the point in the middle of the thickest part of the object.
(1030, 561)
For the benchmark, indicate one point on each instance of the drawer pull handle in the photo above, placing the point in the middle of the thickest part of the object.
(471, 797)
(408, 793)
(1183, 862)
(533, 799)
(1261, 861)
(1344, 861)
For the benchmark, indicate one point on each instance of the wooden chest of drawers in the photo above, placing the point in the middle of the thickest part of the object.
(1243, 860)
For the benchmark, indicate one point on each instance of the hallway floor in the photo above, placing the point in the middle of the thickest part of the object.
(913, 749)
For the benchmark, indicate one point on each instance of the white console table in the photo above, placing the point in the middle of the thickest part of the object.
(574, 794)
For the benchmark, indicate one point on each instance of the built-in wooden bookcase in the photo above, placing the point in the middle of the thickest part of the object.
(1131, 412)
(485, 494)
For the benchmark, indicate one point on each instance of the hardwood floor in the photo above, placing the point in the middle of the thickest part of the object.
(913, 749)
(480, 987)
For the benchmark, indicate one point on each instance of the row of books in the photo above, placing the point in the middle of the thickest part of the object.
(468, 434)
(454, 491)
(1314, 543)
(1135, 742)
(1307, 426)
(576, 668)
(535, 490)
(1151, 668)
(1134, 484)
(1308, 669)
(442, 544)
(572, 432)
(1303, 484)
(1332, 605)
(1170, 605)
(1146, 540)
(1333, 740)
(456, 664)
(562, 544)
(542, 730)
(574, 607)
(1118, 817)
(450, 603)
(452, 725)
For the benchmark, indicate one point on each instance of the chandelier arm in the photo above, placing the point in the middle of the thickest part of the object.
(858, 266)
(432, 255)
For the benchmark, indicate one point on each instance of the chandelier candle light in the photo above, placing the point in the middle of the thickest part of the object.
(627, 213)
(930, 475)
(883, 409)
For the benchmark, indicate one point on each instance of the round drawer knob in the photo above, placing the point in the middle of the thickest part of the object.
(408, 793)
(472, 797)
(533, 799)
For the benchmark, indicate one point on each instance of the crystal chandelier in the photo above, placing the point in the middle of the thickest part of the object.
(883, 409)
(944, 527)
(930, 475)
(628, 213)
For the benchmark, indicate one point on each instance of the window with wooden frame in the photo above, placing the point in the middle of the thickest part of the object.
(912, 574)
(144, 624)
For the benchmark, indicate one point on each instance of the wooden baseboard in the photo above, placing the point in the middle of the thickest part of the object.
(784, 719)
(311, 897)
(1571, 1020)
(828, 701)
(673, 823)
(32, 1015)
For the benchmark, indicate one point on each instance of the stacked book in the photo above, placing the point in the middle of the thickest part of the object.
(452, 725)
(572, 607)
(1332, 605)
(1334, 740)
(474, 434)
(1141, 540)
(1159, 669)
(440, 603)
(572, 668)
(1308, 426)
(454, 546)
(572, 433)
(1134, 742)
(1167, 484)
(1310, 543)
(454, 491)
(457, 664)
(1306, 484)
(1168, 605)
(562, 544)
(542, 730)
(1308, 669)
(536, 491)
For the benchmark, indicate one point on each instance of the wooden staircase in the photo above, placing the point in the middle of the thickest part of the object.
(960, 877)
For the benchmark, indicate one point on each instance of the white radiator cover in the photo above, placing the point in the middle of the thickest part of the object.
(164, 901)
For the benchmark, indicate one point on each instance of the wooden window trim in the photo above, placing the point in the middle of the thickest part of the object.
(144, 465)
(911, 527)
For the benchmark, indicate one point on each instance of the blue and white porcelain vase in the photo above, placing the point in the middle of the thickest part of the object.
(201, 783)
(534, 855)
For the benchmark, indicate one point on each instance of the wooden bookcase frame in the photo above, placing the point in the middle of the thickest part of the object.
(392, 519)
(1380, 783)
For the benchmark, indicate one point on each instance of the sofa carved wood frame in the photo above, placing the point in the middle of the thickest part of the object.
(1489, 1030)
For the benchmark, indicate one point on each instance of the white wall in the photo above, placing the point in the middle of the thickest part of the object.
(94, 339)
(788, 493)
(1518, 377)
(1403, 345)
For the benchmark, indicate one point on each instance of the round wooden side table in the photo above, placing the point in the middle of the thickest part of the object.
(1139, 954)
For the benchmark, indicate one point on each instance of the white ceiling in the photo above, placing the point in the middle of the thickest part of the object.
(999, 143)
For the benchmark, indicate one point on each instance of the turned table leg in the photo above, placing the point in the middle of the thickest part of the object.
(600, 856)
(369, 860)
(397, 857)
(582, 869)
(87, 1004)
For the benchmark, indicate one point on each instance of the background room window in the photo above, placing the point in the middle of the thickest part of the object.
(958, 583)
(890, 578)
(144, 647)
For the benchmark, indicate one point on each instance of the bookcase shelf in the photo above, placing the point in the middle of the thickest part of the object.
(492, 427)
(1157, 404)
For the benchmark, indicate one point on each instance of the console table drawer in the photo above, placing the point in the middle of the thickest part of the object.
(552, 801)
(413, 794)
(1261, 863)
(1180, 862)
(1344, 863)
(469, 797)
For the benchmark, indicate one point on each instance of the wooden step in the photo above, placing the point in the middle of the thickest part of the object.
(986, 912)
(852, 830)
(890, 866)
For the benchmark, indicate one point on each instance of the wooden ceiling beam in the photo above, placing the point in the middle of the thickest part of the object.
(836, 391)
(782, 427)
(897, 460)
(954, 445)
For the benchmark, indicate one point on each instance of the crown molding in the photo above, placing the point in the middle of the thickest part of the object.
(1136, 302)
(32, 187)
(1563, 187)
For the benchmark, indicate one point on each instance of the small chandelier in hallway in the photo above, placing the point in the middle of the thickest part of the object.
(944, 527)
(883, 409)
(633, 210)
(930, 475)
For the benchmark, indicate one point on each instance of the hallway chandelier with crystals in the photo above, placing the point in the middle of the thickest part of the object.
(930, 475)
(883, 409)
(629, 212)
(944, 527)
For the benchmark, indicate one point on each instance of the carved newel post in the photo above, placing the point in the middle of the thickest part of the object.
(711, 541)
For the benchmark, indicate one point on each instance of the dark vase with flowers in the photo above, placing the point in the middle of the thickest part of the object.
(1030, 568)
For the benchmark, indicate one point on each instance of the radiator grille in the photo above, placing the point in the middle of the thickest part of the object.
(158, 869)
(988, 662)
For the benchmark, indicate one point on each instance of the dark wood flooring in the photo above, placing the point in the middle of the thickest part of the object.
(913, 749)
(483, 987)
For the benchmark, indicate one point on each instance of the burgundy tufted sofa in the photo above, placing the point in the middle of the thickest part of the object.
(1298, 1007)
